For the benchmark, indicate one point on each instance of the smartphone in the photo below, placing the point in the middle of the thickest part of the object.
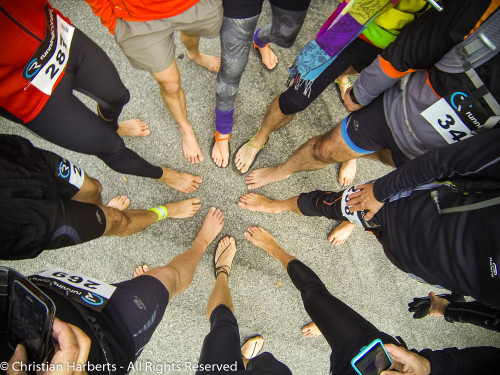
(372, 360)
(31, 315)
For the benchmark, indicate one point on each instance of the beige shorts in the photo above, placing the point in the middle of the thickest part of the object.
(149, 45)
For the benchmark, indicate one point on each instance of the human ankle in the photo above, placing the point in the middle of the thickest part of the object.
(260, 139)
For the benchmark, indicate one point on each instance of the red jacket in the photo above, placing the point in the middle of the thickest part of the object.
(137, 10)
(22, 28)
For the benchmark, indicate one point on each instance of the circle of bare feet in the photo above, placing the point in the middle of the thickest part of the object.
(265, 300)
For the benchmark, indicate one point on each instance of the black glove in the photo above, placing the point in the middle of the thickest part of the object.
(420, 306)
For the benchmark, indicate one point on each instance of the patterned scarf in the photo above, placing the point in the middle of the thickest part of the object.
(342, 27)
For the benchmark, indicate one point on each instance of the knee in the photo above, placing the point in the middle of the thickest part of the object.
(116, 221)
(170, 86)
(122, 95)
(232, 72)
(324, 150)
(95, 189)
(293, 101)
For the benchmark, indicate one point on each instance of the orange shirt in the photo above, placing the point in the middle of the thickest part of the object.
(137, 10)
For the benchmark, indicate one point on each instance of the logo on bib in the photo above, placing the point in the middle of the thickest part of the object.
(493, 268)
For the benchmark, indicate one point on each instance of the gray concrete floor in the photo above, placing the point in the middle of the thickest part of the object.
(265, 300)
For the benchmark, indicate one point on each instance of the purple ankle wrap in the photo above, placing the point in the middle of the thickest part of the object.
(224, 121)
(257, 40)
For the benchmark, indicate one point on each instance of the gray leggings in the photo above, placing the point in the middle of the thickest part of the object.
(236, 41)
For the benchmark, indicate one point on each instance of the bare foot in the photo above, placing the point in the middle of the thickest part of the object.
(183, 182)
(212, 225)
(226, 249)
(263, 176)
(341, 233)
(183, 209)
(133, 128)
(257, 202)
(311, 330)
(261, 238)
(120, 203)
(252, 347)
(210, 62)
(141, 270)
(347, 172)
(246, 155)
(220, 151)
(190, 146)
(269, 58)
(343, 84)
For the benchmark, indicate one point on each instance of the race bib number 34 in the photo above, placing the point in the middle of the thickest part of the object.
(87, 291)
(50, 59)
(456, 116)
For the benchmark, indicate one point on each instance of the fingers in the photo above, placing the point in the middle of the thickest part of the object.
(19, 356)
(73, 347)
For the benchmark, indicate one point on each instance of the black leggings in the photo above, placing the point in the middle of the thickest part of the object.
(222, 346)
(345, 330)
(358, 54)
(68, 123)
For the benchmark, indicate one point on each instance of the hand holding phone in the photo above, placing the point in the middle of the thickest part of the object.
(73, 347)
(372, 360)
(406, 362)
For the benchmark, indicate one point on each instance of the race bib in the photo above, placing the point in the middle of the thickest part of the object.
(71, 173)
(91, 293)
(456, 116)
(50, 59)
(353, 217)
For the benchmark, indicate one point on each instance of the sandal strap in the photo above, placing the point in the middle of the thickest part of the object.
(342, 83)
(252, 145)
(222, 268)
(217, 139)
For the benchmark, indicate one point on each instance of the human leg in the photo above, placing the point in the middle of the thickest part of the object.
(315, 154)
(192, 43)
(201, 20)
(178, 274)
(96, 76)
(263, 239)
(235, 39)
(282, 31)
(72, 182)
(257, 202)
(221, 345)
(224, 254)
(267, 363)
(273, 120)
(284, 107)
(345, 330)
(361, 133)
(169, 83)
(125, 223)
(67, 122)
